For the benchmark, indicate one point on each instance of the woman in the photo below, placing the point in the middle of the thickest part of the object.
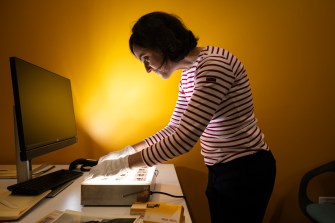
(214, 105)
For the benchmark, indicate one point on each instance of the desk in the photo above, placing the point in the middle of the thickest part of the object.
(69, 199)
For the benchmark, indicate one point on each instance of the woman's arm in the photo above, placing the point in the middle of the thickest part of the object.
(140, 146)
(135, 160)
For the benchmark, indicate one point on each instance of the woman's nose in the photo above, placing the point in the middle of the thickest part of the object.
(147, 66)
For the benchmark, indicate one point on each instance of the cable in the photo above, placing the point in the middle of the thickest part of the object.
(158, 192)
(175, 196)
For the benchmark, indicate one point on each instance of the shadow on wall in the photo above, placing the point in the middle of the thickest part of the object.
(279, 210)
(194, 183)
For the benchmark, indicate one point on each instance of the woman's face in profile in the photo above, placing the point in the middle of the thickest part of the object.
(153, 61)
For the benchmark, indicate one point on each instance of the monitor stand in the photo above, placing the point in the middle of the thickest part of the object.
(23, 168)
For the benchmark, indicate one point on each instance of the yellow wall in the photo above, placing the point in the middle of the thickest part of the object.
(286, 46)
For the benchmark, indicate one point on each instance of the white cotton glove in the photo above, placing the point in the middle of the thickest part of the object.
(128, 150)
(109, 167)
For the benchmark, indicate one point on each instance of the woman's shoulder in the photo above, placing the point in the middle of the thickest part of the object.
(213, 53)
(214, 50)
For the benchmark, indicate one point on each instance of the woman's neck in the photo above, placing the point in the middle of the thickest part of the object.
(187, 62)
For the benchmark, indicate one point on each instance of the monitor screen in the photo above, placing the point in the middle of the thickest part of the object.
(43, 110)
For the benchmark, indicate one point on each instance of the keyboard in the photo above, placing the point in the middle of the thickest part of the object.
(44, 183)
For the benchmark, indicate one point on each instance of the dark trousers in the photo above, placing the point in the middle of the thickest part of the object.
(239, 191)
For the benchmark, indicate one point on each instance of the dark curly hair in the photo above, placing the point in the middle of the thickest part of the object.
(164, 33)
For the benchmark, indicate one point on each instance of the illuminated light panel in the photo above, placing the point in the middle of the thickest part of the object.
(135, 176)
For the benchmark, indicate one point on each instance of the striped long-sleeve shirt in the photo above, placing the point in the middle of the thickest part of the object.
(214, 104)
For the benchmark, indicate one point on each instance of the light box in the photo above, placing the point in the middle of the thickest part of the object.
(123, 189)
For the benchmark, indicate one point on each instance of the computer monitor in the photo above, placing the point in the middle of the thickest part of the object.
(43, 114)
